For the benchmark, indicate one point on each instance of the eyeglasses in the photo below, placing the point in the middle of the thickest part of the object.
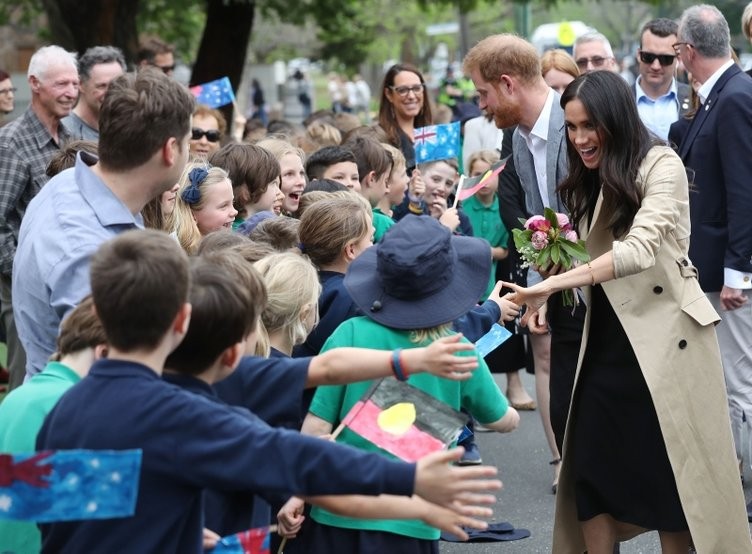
(676, 46)
(663, 59)
(166, 69)
(596, 61)
(404, 91)
(10, 90)
(211, 136)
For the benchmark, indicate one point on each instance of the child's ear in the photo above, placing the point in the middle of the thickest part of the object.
(370, 179)
(182, 320)
(100, 351)
(230, 358)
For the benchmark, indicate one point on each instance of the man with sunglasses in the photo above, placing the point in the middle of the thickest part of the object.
(592, 52)
(156, 53)
(661, 100)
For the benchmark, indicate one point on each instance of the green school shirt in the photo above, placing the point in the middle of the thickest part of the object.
(479, 395)
(487, 224)
(21, 416)
(381, 224)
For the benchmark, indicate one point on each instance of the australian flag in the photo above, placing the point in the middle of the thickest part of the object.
(214, 93)
(253, 541)
(437, 142)
(67, 485)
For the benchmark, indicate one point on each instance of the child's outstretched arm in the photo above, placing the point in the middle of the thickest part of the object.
(340, 366)
(451, 519)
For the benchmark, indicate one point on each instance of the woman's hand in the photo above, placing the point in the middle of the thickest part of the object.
(532, 298)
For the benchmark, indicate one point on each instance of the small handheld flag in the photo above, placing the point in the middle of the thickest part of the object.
(66, 485)
(437, 142)
(470, 185)
(214, 93)
(492, 340)
(253, 541)
(404, 420)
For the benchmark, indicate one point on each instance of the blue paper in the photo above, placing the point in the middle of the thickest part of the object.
(437, 142)
(68, 485)
(214, 93)
(492, 340)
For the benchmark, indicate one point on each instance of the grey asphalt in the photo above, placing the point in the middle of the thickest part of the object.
(526, 501)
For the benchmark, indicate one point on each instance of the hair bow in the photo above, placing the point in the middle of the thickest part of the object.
(192, 194)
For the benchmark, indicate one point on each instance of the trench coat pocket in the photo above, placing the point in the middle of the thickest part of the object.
(700, 309)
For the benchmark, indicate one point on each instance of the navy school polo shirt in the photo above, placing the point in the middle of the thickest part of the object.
(190, 443)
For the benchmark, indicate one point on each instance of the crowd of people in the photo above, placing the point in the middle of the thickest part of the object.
(209, 299)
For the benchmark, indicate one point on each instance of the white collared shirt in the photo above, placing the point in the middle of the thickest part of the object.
(704, 91)
(536, 140)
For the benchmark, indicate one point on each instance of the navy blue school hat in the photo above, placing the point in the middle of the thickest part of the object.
(419, 275)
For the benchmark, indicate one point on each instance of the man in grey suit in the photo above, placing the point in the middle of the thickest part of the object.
(507, 75)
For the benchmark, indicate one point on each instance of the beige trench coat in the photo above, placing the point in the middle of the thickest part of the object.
(670, 324)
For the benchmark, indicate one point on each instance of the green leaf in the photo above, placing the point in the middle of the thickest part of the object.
(543, 257)
(555, 254)
(550, 215)
(521, 237)
(577, 251)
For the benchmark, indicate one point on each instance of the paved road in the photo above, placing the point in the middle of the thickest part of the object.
(526, 500)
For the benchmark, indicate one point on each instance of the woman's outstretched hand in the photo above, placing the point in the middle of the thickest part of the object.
(532, 298)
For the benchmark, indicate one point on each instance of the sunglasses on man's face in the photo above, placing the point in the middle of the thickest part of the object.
(663, 59)
(211, 136)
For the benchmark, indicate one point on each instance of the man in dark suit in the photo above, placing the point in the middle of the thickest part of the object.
(661, 99)
(718, 151)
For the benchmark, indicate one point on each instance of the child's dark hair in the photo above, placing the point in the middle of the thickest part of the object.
(370, 156)
(139, 282)
(218, 241)
(250, 168)
(81, 329)
(280, 232)
(227, 297)
(324, 185)
(321, 159)
(66, 158)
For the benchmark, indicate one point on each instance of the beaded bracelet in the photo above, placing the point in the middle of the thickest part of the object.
(397, 368)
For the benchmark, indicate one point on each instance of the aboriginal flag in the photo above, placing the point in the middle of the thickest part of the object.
(404, 420)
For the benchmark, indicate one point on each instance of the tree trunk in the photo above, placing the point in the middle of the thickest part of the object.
(77, 25)
(224, 44)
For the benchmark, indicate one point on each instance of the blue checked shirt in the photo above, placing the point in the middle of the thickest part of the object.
(25, 149)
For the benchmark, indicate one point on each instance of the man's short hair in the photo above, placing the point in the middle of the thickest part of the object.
(594, 36)
(139, 282)
(149, 49)
(140, 112)
(502, 54)
(318, 162)
(81, 329)
(705, 28)
(47, 56)
(661, 27)
(227, 297)
(99, 55)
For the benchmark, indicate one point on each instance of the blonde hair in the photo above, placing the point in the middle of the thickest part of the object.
(293, 289)
(508, 54)
(308, 199)
(430, 334)
(488, 156)
(181, 219)
(560, 60)
(280, 148)
(320, 134)
(397, 156)
(329, 225)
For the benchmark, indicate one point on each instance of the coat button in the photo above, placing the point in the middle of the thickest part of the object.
(657, 289)
(685, 263)
(682, 344)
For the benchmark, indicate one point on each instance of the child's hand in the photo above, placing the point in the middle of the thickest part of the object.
(210, 539)
(441, 483)
(416, 187)
(454, 518)
(448, 218)
(509, 310)
(439, 359)
(290, 518)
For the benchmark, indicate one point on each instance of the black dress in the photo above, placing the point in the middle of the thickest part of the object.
(620, 463)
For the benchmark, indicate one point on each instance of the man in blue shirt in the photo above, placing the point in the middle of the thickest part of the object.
(661, 100)
(145, 124)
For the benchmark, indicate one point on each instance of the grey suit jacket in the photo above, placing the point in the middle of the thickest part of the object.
(556, 163)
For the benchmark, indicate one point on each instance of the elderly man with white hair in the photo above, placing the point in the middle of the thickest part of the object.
(26, 145)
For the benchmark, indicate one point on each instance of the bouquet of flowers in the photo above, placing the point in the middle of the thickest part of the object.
(550, 238)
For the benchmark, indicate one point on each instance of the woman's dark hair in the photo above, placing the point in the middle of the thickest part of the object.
(387, 119)
(625, 141)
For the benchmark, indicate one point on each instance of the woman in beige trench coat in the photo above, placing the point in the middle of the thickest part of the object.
(629, 198)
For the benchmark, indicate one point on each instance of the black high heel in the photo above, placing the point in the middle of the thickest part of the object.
(555, 485)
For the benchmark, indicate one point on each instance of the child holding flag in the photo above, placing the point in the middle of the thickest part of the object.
(411, 286)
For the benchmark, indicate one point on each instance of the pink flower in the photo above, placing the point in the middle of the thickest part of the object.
(539, 240)
(563, 221)
(571, 235)
(538, 223)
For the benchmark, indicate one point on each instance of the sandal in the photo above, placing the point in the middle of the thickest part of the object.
(555, 485)
(524, 406)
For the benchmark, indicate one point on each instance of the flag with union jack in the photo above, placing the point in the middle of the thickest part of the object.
(437, 142)
(214, 93)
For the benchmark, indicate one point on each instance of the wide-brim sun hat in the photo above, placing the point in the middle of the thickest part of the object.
(420, 275)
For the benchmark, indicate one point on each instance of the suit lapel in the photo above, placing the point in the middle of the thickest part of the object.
(702, 113)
